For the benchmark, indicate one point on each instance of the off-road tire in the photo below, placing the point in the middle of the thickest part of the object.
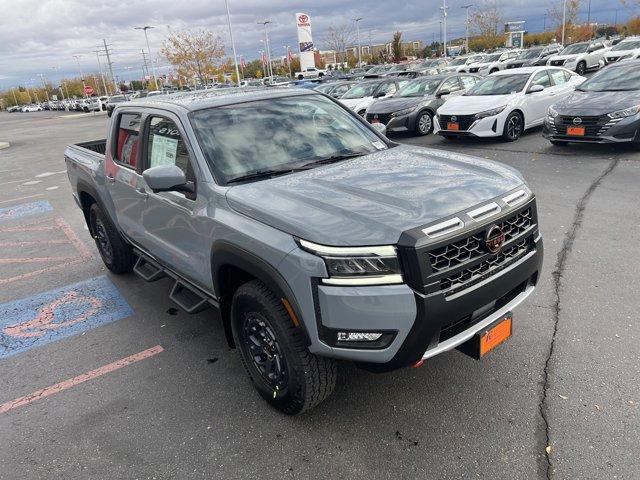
(309, 378)
(118, 255)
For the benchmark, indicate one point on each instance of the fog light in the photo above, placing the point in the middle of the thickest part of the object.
(358, 336)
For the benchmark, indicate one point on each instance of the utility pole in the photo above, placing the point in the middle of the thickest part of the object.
(357, 20)
(440, 33)
(84, 85)
(564, 18)
(155, 74)
(104, 84)
(589, 15)
(467, 7)
(264, 63)
(106, 49)
(444, 9)
(266, 44)
(233, 45)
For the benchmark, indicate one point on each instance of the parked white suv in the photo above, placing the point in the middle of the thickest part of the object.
(581, 57)
(626, 49)
(493, 63)
(461, 64)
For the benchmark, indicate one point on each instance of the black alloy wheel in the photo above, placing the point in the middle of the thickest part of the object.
(513, 127)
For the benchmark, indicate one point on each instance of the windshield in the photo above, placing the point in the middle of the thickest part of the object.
(533, 53)
(418, 88)
(613, 79)
(458, 61)
(575, 48)
(629, 45)
(499, 85)
(279, 134)
(361, 91)
(492, 58)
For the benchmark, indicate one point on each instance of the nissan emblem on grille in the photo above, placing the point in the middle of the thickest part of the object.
(494, 239)
(453, 118)
(577, 121)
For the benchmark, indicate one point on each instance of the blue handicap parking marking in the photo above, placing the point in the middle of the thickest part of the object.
(56, 314)
(24, 210)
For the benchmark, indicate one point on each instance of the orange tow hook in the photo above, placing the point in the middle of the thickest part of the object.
(418, 364)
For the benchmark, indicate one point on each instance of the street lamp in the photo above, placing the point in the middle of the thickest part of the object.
(564, 18)
(358, 37)
(146, 37)
(266, 36)
(84, 86)
(467, 7)
(233, 45)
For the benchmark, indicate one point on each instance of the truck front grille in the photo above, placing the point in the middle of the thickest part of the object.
(484, 269)
(472, 247)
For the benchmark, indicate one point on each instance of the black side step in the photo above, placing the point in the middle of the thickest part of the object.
(189, 300)
(148, 270)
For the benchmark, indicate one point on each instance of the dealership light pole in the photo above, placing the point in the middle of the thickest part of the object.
(233, 45)
(357, 20)
(84, 86)
(444, 9)
(146, 37)
(467, 7)
(266, 44)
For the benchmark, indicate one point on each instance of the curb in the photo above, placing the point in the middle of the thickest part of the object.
(4, 145)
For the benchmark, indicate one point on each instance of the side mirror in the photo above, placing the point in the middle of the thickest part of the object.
(380, 127)
(165, 178)
(443, 93)
(380, 95)
(535, 89)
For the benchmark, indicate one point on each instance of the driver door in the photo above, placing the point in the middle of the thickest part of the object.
(539, 102)
(174, 231)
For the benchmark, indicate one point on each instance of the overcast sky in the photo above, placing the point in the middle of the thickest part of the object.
(41, 36)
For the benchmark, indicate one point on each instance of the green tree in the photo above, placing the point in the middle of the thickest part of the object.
(396, 46)
(194, 53)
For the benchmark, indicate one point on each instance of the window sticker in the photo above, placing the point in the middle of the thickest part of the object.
(163, 151)
(379, 145)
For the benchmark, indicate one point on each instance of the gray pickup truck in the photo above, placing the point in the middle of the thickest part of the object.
(316, 237)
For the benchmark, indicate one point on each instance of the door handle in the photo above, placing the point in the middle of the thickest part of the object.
(142, 192)
(111, 179)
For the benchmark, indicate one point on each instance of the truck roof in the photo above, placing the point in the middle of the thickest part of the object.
(199, 100)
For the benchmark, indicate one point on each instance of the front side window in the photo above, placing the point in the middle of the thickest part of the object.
(361, 91)
(127, 140)
(450, 85)
(559, 76)
(468, 82)
(166, 147)
(275, 135)
(541, 78)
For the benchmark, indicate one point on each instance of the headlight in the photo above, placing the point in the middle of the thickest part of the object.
(489, 113)
(405, 111)
(552, 112)
(627, 112)
(376, 265)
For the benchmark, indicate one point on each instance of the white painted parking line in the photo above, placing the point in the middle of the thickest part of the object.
(22, 198)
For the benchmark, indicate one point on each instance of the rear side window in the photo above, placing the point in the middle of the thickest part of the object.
(541, 78)
(468, 82)
(128, 140)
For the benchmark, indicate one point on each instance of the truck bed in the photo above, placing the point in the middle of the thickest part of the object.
(97, 146)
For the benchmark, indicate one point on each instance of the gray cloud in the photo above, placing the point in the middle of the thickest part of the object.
(41, 36)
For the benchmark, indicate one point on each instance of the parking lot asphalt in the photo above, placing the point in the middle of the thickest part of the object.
(166, 398)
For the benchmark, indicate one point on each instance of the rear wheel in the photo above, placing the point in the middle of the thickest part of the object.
(513, 127)
(493, 70)
(274, 354)
(424, 123)
(581, 68)
(116, 254)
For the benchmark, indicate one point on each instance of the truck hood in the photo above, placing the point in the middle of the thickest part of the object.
(471, 104)
(371, 200)
(596, 103)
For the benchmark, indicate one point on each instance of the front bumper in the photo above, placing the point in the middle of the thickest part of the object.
(395, 124)
(600, 130)
(485, 127)
(421, 320)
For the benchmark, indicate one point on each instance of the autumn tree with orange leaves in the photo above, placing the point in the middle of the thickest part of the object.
(195, 53)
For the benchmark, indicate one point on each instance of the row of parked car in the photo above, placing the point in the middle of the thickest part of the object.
(505, 103)
(90, 104)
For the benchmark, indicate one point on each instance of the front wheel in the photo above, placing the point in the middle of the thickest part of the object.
(274, 354)
(424, 123)
(581, 68)
(116, 254)
(513, 127)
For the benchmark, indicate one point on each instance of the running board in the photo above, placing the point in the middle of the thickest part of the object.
(188, 299)
(148, 270)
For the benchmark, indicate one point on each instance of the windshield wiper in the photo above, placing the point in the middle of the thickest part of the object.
(267, 172)
(335, 158)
